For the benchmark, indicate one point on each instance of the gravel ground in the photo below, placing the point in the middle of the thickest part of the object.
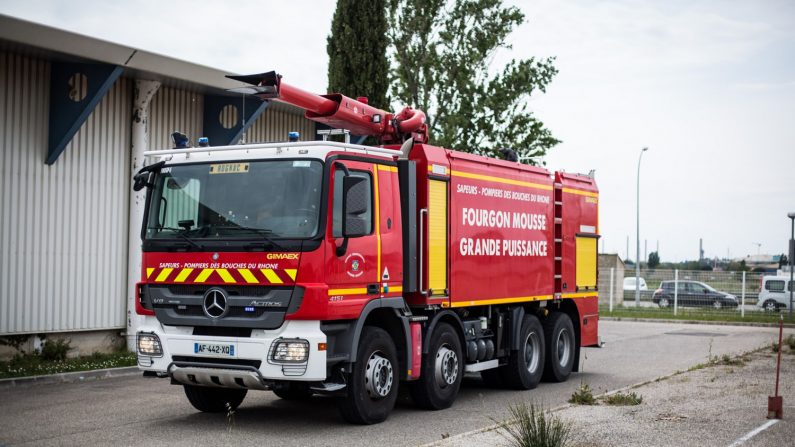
(707, 406)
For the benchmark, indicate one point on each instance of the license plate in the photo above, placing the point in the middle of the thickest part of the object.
(213, 349)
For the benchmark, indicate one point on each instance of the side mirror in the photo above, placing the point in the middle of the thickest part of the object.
(355, 202)
(141, 181)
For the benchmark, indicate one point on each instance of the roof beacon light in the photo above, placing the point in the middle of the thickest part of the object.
(293, 136)
(181, 140)
(204, 142)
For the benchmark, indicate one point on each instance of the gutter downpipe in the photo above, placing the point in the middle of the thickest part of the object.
(143, 93)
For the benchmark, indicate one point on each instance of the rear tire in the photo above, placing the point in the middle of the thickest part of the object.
(373, 384)
(526, 365)
(770, 306)
(560, 347)
(442, 370)
(292, 390)
(213, 400)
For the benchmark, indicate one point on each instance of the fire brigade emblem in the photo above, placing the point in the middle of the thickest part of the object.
(354, 264)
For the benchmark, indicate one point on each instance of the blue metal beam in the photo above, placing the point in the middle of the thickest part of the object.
(72, 100)
(214, 130)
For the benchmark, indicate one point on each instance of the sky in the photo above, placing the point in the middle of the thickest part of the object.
(707, 86)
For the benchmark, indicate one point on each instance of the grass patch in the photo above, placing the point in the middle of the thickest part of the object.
(531, 427)
(23, 365)
(583, 395)
(623, 399)
(686, 313)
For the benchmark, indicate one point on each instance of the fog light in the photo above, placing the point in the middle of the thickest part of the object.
(149, 345)
(290, 351)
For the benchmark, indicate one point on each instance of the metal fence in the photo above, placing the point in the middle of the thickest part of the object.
(685, 294)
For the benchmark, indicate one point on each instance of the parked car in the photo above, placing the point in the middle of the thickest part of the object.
(692, 293)
(629, 283)
(774, 295)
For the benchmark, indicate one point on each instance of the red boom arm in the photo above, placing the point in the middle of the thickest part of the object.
(340, 111)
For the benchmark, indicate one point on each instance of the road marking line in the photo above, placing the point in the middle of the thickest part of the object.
(754, 432)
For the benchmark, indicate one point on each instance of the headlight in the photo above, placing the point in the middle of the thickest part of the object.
(290, 351)
(149, 345)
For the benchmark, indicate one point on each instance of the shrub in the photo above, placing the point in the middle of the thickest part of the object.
(623, 399)
(55, 350)
(583, 396)
(533, 428)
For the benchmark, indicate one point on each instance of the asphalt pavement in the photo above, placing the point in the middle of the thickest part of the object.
(150, 411)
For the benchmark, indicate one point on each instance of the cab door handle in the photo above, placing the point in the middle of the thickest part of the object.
(373, 289)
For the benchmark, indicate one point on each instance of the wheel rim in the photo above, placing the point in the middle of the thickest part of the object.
(664, 302)
(564, 347)
(446, 366)
(770, 306)
(717, 304)
(532, 351)
(379, 376)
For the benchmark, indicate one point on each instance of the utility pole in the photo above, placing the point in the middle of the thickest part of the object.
(637, 233)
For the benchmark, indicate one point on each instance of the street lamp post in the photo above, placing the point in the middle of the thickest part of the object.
(791, 261)
(637, 235)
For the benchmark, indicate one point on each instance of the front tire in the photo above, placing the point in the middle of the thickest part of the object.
(373, 384)
(214, 400)
(560, 347)
(442, 370)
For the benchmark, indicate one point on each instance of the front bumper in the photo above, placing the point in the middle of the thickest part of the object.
(249, 367)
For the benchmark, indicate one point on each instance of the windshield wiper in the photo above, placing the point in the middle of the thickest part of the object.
(262, 232)
(181, 233)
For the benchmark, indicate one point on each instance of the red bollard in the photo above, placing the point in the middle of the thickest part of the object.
(775, 403)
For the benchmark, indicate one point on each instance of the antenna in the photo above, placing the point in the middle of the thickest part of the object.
(243, 121)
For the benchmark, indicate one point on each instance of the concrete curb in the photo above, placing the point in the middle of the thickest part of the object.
(713, 323)
(70, 377)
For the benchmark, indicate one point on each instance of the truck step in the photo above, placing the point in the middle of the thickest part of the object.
(482, 366)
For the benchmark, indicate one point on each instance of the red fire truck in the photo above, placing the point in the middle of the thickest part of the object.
(322, 267)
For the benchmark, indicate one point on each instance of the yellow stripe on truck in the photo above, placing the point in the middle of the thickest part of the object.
(225, 275)
(272, 277)
(291, 273)
(205, 273)
(164, 274)
(183, 275)
(248, 276)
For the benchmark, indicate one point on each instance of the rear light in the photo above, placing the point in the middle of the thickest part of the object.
(658, 291)
(140, 309)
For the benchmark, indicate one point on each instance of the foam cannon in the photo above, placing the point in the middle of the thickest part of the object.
(339, 111)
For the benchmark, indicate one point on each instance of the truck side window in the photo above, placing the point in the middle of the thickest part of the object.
(336, 229)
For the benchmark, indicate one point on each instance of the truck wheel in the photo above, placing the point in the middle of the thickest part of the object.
(526, 365)
(213, 400)
(560, 349)
(292, 390)
(373, 384)
(442, 371)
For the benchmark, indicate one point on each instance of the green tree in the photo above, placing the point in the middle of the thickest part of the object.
(357, 46)
(443, 52)
(654, 260)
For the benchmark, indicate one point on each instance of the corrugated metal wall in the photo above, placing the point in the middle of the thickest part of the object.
(171, 110)
(63, 228)
(274, 124)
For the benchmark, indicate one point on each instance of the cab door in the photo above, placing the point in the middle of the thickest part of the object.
(352, 263)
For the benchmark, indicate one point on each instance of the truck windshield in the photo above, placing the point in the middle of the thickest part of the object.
(241, 200)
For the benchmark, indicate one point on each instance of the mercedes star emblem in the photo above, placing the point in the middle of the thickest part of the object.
(214, 303)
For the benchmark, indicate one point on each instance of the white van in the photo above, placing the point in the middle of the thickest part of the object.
(774, 295)
(629, 283)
